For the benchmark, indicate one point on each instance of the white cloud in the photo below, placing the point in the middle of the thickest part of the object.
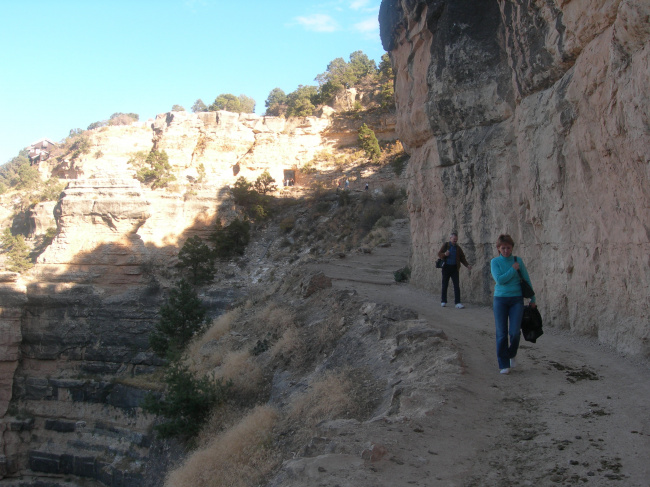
(318, 23)
(358, 4)
(367, 27)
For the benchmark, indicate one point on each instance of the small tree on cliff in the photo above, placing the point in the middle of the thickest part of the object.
(181, 318)
(153, 168)
(187, 403)
(232, 239)
(369, 143)
(17, 252)
(265, 183)
(198, 258)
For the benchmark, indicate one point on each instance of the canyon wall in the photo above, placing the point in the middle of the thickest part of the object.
(530, 117)
(74, 352)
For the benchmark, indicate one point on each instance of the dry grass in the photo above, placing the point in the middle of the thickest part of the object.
(274, 319)
(202, 357)
(239, 457)
(245, 374)
(289, 341)
(328, 398)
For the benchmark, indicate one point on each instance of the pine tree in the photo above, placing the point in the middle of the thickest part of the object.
(198, 258)
(369, 143)
(181, 318)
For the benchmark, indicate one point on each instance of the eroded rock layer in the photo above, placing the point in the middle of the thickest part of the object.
(531, 118)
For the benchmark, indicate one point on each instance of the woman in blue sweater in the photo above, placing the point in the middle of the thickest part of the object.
(508, 301)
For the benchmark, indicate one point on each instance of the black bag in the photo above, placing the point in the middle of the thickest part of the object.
(526, 290)
(439, 263)
(531, 324)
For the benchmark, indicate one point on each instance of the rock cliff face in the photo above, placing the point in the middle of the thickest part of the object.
(531, 118)
(74, 349)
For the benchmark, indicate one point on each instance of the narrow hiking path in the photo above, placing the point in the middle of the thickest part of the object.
(572, 411)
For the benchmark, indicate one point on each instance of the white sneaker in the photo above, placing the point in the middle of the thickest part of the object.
(443, 304)
(460, 306)
(513, 362)
(504, 371)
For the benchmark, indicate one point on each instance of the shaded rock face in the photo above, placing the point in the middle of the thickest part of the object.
(531, 118)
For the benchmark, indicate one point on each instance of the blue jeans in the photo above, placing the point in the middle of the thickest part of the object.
(507, 308)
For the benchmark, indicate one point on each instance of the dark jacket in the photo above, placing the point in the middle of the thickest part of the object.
(460, 255)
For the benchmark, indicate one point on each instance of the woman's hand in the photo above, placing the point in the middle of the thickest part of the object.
(515, 266)
(533, 305)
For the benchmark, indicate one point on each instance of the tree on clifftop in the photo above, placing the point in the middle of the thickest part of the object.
(232, 103)
(276, 103)
(199, 106)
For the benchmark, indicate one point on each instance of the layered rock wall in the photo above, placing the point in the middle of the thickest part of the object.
(74, 350)
(531, 118)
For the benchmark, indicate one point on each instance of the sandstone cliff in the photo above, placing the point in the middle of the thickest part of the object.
(531, 118)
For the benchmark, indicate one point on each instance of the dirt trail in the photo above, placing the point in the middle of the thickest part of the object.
(572, 411)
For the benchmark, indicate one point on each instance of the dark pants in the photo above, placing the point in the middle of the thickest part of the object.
(447, 272)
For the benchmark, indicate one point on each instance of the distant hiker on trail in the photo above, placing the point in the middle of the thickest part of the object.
(508, 304)
(453, 256)
(366, 187)
(347, 184)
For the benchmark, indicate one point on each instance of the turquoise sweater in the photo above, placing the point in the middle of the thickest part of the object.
(506, 278)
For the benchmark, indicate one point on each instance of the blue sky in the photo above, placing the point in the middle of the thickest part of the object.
(65, 64)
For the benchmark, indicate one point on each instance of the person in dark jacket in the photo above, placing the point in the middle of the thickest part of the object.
(453, 256)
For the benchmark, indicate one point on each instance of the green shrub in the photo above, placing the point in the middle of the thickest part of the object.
(18, 259)
(187, 402)
(232, 103)
(181, 318)
(243, 192)
(51, 190)
(256, 205)
(393, 194)
(198, 258)
(403, 274)
(399, 162)
(152, 169)
(369, 143)
(370, 215)
(309, 168)
(232, 239)
(265, 183)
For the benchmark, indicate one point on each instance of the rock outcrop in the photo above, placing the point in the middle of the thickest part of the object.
(531, 118)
